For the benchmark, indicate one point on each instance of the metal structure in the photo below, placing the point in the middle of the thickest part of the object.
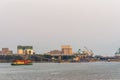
(88, 52)
(118, 52)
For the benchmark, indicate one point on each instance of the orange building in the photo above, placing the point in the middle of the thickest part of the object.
(66, 49)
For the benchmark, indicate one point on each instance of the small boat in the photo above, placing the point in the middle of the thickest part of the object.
(21, 62)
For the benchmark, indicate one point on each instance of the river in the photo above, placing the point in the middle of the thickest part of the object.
(61, 71)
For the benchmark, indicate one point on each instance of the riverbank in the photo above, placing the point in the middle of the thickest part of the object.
(64, 59)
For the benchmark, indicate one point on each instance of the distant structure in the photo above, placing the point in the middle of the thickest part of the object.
(66, 49)
(6, 51)
(118, 53)
(88, 52)
(55, 52)
(25, 49)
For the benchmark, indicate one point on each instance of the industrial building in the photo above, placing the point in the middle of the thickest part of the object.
(25, 49)
(55, 52)
(6, 51)
(66, 49)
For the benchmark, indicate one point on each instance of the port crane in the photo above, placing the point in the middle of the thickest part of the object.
(88, 52)
(83, 55)
(85, 52)
(118, 52)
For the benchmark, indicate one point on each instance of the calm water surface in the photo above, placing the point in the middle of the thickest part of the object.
(61, 71)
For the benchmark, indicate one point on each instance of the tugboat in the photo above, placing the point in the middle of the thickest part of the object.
(25, 61)
(21, 62)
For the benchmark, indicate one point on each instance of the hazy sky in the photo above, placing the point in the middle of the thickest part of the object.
(48, 24)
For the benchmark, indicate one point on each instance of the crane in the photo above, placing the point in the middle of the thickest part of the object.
(88, 52)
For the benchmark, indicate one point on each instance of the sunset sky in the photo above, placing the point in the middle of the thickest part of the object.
(48, 24)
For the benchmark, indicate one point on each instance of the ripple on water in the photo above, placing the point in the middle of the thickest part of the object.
(62, 71)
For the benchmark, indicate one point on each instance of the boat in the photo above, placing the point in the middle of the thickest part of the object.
(25, 61)
(21, 62)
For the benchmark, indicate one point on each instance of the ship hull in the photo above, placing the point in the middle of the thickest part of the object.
(19, 64)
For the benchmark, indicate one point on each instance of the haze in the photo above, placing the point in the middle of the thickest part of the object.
(48, 24)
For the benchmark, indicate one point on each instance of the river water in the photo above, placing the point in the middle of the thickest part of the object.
(61, 71)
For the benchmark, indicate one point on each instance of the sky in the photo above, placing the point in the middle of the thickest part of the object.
(48, 24)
